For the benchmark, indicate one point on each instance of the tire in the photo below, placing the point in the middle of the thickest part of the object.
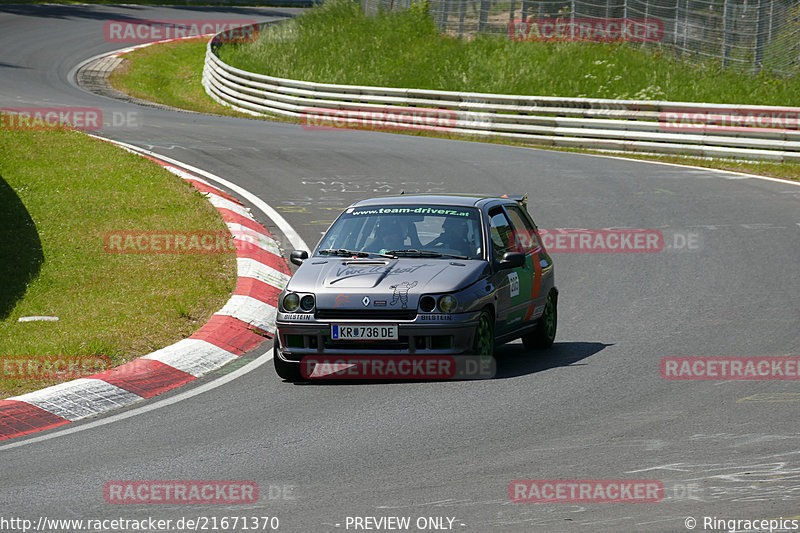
(545, 333)
(484, 335)
(287, 371)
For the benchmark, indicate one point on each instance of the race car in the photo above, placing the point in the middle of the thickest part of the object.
(419, 275)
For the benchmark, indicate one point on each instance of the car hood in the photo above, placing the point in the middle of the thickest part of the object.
(330, 278)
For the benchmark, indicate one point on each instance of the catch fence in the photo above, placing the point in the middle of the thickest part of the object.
(750, 35)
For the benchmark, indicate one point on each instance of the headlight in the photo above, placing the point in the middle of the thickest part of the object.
(427, 303)
(291, 302)
(448, 303)
(307, 302)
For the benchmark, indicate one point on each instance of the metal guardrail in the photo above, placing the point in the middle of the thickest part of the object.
(707, 130)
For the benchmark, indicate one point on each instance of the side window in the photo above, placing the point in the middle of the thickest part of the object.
(500, 231)
(524, 236)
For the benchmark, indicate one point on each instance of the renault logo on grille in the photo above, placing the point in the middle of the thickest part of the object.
(365, 301)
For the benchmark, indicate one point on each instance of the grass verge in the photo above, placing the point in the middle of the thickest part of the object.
(62, 192)
(336, 43)
(169, 74)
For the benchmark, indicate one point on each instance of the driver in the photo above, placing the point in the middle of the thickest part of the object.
(454, 236)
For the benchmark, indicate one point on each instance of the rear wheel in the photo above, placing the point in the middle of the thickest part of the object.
(545, 332)
(288, 371)
(484, 335)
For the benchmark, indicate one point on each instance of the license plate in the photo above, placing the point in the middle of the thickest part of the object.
(360, 332)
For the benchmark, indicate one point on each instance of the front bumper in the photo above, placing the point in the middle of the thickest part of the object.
(427, 334)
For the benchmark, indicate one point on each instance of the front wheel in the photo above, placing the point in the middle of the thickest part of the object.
(484, 335)
(545, 333)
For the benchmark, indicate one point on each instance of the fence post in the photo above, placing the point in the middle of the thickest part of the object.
(685, 22)
(675, 26)
(437, 13)
(572, 20)
(483, 16)
(761, 36)
(726, 32)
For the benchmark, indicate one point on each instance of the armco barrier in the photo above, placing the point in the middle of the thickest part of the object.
(708, 130)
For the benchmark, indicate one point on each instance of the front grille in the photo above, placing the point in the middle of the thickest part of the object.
(301, 345)
(366, 314)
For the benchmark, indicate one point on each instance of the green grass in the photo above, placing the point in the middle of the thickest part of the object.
(170, 74)
(147, 72)
(61, 191)
(335, 43)
(187, 56)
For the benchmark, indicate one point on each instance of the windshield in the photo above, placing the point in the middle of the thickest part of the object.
(408, 230)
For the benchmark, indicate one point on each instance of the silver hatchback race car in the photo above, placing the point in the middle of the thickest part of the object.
(419, 275)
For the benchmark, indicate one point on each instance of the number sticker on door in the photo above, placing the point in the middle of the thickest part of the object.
(513, 283)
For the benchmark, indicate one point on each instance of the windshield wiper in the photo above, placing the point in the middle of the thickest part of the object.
(425, 253)
(352, 253)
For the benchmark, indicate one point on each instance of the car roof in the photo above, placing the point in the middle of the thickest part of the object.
(461, 200)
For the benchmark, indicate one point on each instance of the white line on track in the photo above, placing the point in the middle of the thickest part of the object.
(69, 429)
(741, 175)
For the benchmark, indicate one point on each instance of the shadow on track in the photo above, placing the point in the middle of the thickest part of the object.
(21, 255)
(514, 360)
(9, 65)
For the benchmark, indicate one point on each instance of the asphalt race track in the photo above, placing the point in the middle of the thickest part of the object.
(594, 407)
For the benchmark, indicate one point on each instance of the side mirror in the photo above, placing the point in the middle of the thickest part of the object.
(512, 260)
(298, 256)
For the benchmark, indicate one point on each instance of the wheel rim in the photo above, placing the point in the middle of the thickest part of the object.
(550, 317)
(484, 334)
